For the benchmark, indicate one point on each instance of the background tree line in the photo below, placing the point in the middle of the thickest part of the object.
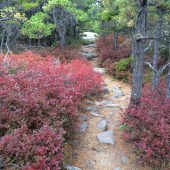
(43, 21)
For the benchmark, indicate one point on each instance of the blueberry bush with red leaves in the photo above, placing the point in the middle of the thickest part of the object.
(65, 55)
(147, 127)
(105, 47)
(109, 56)
(36, 94)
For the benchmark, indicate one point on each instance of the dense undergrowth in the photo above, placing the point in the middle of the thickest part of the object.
(116, 61)
(39, 99)
(147, 127)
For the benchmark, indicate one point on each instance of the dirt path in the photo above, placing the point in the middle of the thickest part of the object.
(102, 119)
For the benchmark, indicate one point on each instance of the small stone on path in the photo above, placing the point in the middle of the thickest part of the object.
(118, 168)
(70, 167)
(99, 70)
(112, 105)
(83, 127)
(91, 109)
(102, 125)
(89, 102)
(117, 92)
(125, 159)
(90, 164)
(106, 90)
(87, 55)
(83, 118)
(91, 46)
(106, 137)
(96, 114)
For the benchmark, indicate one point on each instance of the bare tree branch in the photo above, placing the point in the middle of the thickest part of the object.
(157, 71)
(149, 46)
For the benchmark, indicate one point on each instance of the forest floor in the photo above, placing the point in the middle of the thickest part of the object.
(100, 145)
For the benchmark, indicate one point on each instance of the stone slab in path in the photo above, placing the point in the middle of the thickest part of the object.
(102, 125)
(83, 127)
(70, 167)
(106, 137)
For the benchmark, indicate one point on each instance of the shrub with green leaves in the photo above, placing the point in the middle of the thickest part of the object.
(123, 64)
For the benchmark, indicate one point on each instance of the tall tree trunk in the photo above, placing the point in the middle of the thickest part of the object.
(168, 76)
(168, 83)
(39, 42)
(140, 32)
(116, 34)
(2, 41)
(156, 74)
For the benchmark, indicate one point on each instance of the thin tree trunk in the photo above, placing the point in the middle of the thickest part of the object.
(168, 84)
(29, 42)
(155, 78)
(156, 75)
(116, 34)
(2, 41)
(168, 76)
(39, 42)
(140, 32)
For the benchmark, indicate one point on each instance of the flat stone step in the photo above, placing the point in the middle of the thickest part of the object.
(102, 125)
(70, 167)
(106, 137)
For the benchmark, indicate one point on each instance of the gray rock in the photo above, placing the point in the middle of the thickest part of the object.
(91, 109)
(83, 118)
(83, 127)
(117, 168)
(91, 36)
(106, 137)
(112, 105)
(117, 92)
(98, 103)
(102, 125)
(99, 70)
(106, 90)
(91, 46)
(70, 167)
(106, 102)
(96, 114)
(112, 113)
(89, 102)
(76, 143)
(125, 159)
(90, 164)
(87, 55)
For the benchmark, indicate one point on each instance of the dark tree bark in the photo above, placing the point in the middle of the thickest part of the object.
(2, 40)
(168, 76)
(116, 34)
(156, 75)
(140, 33)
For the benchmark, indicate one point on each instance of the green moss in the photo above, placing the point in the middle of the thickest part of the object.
(123, 64)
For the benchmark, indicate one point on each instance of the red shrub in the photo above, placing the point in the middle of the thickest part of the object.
(148, 127)
(105, 46)
(33, 99)
(64, 55)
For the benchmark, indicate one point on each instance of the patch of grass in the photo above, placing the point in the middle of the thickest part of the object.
(123, 64)
(148, 76)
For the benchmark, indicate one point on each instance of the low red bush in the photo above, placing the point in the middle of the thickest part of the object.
(64, 55)
(105, 46)
(35, 95)
(148, 127)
